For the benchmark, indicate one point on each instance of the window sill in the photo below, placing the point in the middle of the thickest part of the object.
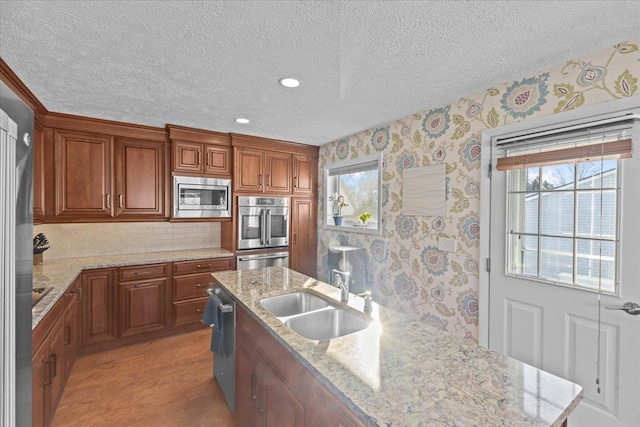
(353, 229)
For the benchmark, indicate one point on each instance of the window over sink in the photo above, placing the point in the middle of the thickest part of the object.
(352, 195)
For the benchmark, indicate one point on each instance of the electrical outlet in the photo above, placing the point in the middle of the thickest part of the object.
(447, 244)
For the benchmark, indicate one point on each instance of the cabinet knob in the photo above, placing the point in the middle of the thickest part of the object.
(198, 310)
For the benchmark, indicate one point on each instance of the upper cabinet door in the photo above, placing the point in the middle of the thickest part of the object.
(248, 170)
(38, 173)
(217, 160)
(304, 174)
(140, 174)
(83, 175)
(278, 173)
(187, 157)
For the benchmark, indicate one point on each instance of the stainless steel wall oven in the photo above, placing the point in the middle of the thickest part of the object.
(263, 222)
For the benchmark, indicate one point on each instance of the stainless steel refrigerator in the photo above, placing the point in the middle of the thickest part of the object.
(16, 257)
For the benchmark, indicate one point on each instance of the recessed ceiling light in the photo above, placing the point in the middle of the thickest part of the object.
(289, 82)
(242, 121)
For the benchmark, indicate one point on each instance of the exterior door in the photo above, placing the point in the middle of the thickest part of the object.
(559, 328)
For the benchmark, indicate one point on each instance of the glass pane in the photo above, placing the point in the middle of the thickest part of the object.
(558, 177)
(360, 190)
(523, 212)
(591, 173)
(588, 215)
(278, 226)
(523, 259)
(524, 179)
(556, 259)
(557, 213)
(250, 227)
(590, 266)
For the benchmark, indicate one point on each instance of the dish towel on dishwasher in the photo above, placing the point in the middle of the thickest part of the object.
(214, 317)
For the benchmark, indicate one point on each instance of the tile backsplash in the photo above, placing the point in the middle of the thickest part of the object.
(76, 240)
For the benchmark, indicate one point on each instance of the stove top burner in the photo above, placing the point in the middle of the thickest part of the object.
(39, 293)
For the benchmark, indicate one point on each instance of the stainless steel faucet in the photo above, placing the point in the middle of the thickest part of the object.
(341, 280)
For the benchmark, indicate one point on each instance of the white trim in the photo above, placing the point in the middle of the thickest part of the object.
(570, 118)
(345, 165)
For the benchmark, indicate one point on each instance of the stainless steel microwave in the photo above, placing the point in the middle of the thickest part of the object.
(196, 197)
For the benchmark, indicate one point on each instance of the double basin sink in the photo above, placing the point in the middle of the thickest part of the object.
(313, 317)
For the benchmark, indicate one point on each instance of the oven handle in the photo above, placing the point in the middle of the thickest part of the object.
(262, 228)
(263, 257)
(268, 228)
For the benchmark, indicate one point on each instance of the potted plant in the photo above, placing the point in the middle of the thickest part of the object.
(338, 204)
(364, 218)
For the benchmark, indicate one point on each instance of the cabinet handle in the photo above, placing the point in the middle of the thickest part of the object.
(295, 238)
(207, 161)
(121, 201)
(144, 285)
(200, 285)
(295, 181)
(54, 365)
(108, 201)
(67, 334)
(199, 266)
(198, 310)
(47, 377)
(198, 158)
(260, 400)
(142, 273)
(253, 387)
(260, 179)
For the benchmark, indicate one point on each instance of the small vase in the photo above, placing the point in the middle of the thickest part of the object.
(337, 220)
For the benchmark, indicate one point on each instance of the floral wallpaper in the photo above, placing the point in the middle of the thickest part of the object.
(406, 269)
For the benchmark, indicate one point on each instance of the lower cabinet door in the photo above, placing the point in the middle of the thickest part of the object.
(276, 405)
(246, 382)
(142, 307)
(40, 382)
(98, 322)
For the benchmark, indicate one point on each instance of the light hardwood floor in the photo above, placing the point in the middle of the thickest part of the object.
(163, 382)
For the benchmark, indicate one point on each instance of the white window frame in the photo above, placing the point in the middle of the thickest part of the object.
(350, 166)
(581, 115)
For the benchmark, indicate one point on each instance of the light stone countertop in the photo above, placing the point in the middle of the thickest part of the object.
(60, 273)
(400, 372)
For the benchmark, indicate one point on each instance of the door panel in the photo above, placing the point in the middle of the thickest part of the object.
(186, 156)
(248, 170)
(83, 175)
(141, 179)
(98, 306)
(555, 327)
(278, 169)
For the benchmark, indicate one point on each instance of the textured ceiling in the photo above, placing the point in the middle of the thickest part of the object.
(361, 63)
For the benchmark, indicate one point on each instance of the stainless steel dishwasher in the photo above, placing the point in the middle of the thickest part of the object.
(224, 361)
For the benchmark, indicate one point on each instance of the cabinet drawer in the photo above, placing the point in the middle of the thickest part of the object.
(188, 311)
(201, 265)
(193, 286)
(142, 272)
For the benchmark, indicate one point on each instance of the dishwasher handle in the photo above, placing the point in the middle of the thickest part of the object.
(225, 308)
(263, 257)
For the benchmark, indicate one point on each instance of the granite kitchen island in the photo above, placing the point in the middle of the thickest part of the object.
(401, 372)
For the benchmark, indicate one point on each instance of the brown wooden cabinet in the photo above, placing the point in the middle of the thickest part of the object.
(262, 398)
(274, 389)
(191, 279)
(83, 177)
(303, 247)
(324, 409)
(100, 177)
(260, 171)
(71, 326)
(200, 152)
(196, 158)
(98, 312)
(305, 175)
(38, 173)
(48, 374)
(142, 302)
(140, 171)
